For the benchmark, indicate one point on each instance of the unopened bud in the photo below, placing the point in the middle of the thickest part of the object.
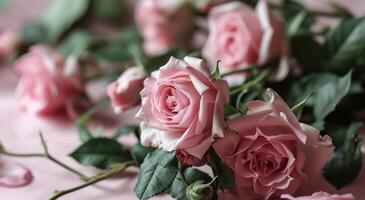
(199, 191)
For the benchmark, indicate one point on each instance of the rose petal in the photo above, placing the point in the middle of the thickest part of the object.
(13, 174)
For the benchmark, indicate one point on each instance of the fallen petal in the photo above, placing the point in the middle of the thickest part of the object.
(13, 174)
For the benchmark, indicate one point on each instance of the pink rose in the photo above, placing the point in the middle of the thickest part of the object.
(268, 147)
(188, 160)
(48, 83)
(8, 44)
(240, 36)
(13, 174)
(320, 196)
(182, 107)
(124, 92)
(163, 24)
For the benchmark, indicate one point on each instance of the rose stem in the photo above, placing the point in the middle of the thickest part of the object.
(46, 154)
(251, 83)
(95, 179)
(315, 12)
(249, 68)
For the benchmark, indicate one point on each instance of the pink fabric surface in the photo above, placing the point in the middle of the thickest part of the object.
(19, 133)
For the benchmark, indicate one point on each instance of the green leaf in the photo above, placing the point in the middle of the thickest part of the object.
(109, 10)
(102, 153)
(330, 94)
(4, 4)
(308, 85)
(224, 173)
(181, 182)
(124, 131)
(298, 109)
(83, 121)
(319, 124)
(112, 53)
(345, 44)
(229, 110)
(61, 15)
(345, 163)
(33, 34)
(75, 40)
(157, 173)
(139, 152)
(290, 10)
(295, 24)
(216, 74)
(155, 63)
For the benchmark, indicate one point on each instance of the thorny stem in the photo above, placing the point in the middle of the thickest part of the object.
(314, 12)
(95, 179)
(251, 83)
(47, 155)
(247, 69)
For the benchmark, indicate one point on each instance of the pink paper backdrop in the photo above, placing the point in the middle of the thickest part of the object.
(19, 131)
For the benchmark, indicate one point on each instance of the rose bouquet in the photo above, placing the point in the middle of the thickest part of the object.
(202, 79)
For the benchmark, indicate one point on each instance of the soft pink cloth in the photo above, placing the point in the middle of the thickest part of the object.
(182, 107)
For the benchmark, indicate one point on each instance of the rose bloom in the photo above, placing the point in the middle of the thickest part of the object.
(124, 92)
(48, 83)
(8, 44)
(188, 160)
(163, 24)
(240, 36)
(182, 107)
(268, 147)
(320, 196)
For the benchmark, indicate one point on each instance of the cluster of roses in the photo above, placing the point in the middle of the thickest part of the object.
(233, 33)
(268, 150)
(182, 105)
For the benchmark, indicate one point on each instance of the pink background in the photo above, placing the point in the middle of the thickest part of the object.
(19, 131)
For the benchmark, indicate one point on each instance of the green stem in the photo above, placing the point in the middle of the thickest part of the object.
(45, 155)
(251, 83)
(22, 155)
(314, 12)
(100, 177)
(247, 69)
(181, 171)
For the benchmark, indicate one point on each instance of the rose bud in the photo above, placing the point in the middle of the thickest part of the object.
(199, 191)
(188, 160)
(124, 92)
(320, 196)
(182, 107)
(240, 36)
(48, 83)
(8, 44)
(270, 152)
(163, 24)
